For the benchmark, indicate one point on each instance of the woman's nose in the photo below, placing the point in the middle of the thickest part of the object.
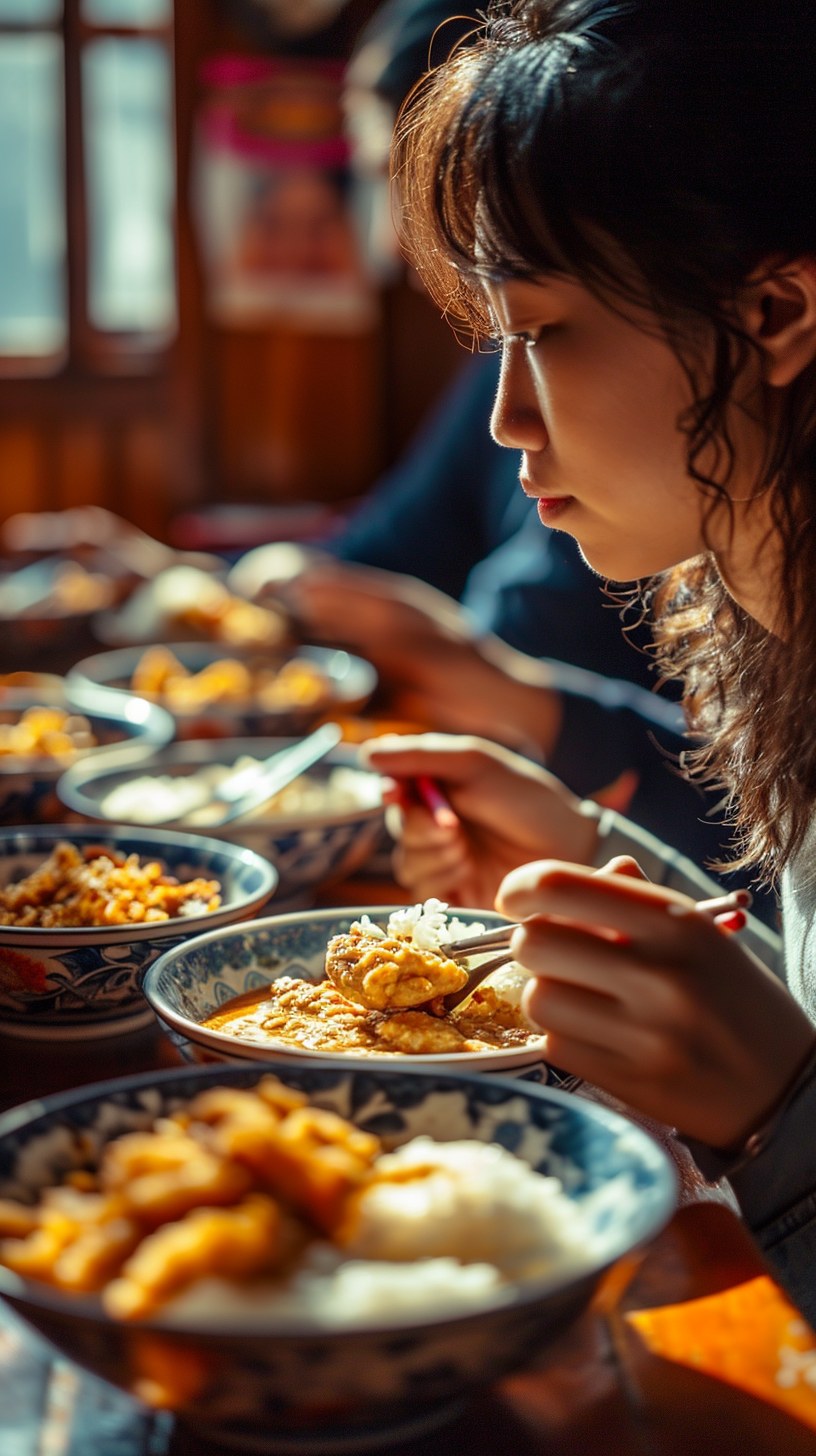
(517, 421)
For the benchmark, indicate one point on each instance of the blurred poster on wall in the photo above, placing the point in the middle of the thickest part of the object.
(273, 198)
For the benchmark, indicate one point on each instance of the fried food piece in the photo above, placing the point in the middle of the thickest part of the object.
(163, 1177)
(16, 1219)
(96, 1255)
(486, 1008)
(225, 681)
(416, 1031)
(230, 1242)
(381, 974)
(270, 1096)
(299, 684)
(67, 890)
(315, 1159)
(155, 669)
(310, 1156)
(64, 1218)
(247, 625)
(46, 733)
(83, 1180)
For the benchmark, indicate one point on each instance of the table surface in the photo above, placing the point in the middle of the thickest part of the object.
(598, 1389)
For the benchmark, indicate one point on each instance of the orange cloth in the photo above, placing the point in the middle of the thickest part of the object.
(749, 1336)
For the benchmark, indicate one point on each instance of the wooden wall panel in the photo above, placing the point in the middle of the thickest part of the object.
(23, 469)
(297, 415)
(143, 488)
(81, 467)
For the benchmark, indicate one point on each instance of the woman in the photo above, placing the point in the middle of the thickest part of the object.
(623, 193)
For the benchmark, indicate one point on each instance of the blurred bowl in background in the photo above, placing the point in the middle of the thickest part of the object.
(46, 605)
(70, 984)
(308, 850)
(28, 782)
(329, 1389)
(349, 683)
(187, 603)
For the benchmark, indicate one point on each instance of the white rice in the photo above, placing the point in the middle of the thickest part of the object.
(480, 1203)
(359, 1292)
(188, 798)
(427, 926)
(456, 1240)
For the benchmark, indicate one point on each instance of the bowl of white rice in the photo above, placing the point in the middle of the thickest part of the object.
(319, 829)
(449, 1280)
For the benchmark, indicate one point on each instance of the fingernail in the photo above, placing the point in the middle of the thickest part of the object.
(731, 923)
(744, 898)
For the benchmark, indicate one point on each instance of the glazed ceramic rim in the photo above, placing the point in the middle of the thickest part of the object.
(526, 1056)
(16, 1286)
(195, 844)
(192, 751)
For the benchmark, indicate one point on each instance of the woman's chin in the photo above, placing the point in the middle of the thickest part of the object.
(624, 566)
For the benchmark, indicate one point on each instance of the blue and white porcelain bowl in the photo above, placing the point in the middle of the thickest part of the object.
(28, 786)
(352, 681)
(318, 1389)
(193, 981)
(71, 984)
(307, 852)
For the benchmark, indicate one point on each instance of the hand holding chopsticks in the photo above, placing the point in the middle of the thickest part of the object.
(727, 912)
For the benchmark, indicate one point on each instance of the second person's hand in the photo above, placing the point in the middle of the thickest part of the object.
(509, 810)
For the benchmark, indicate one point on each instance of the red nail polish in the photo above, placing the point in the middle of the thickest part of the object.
(731, 923)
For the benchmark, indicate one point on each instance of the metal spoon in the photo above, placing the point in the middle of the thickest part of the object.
(248, 789)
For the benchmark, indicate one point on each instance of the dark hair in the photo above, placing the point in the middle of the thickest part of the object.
(684, 131)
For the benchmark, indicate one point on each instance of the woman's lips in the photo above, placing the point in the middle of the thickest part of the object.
(550, 507)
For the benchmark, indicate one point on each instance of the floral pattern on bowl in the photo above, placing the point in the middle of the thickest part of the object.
(191, 982)
(67, 984)
(270, 1390)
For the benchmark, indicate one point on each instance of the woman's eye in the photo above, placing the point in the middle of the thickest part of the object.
(529, 338)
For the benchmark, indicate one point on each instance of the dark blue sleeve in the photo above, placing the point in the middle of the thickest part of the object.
(537, 593)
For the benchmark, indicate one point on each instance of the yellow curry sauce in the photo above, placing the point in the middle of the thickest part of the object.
(320, 1018)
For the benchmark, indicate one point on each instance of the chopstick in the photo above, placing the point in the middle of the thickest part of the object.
(722, 909)
(488, 941)
(432, 797)
(727, 912)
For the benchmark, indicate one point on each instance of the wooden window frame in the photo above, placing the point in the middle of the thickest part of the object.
(91, 352)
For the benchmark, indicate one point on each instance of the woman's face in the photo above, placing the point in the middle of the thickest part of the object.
(594, 401)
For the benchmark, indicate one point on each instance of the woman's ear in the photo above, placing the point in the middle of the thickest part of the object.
(779, 312)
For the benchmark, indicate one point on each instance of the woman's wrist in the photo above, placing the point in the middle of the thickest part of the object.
(717, 1163)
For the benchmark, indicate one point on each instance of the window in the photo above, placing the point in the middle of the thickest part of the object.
(87, 184)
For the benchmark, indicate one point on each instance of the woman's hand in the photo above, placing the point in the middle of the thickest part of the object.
(644, 996)
(508, 810)
(428, 653)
